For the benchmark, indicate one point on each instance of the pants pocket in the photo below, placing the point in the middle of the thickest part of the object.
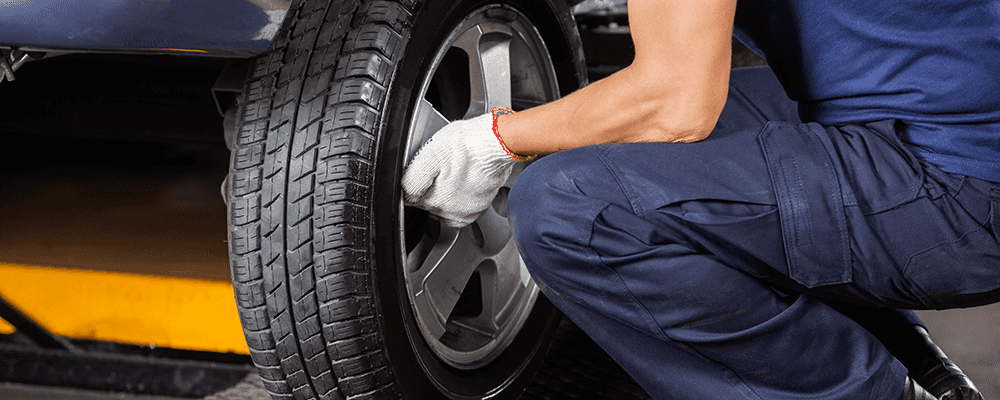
(810, 203)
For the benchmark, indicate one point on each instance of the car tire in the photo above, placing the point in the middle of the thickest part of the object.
(342, 291)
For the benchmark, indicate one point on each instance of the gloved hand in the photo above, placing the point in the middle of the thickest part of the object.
(456, 174)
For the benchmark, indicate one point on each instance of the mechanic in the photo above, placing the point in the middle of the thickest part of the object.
(755, 233)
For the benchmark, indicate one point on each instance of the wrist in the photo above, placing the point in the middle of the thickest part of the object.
(497, 112)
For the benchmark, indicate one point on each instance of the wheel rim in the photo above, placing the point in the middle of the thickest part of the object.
(469, 289)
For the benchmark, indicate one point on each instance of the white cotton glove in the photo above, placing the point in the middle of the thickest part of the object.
(456, 174)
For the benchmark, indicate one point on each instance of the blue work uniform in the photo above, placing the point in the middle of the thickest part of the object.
(847, 173)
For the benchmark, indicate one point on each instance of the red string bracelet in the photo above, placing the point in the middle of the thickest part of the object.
(497, 112)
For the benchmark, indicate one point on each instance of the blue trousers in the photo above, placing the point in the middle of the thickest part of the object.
(713, 270)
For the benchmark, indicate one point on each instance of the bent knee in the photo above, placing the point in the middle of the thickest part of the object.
(554, 201)
(580, 171)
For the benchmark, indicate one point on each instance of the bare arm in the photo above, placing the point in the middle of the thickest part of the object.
(673, 91)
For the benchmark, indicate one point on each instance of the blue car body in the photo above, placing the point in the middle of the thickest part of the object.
(221, 28)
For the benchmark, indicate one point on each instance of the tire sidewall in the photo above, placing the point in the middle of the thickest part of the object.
(404, 344)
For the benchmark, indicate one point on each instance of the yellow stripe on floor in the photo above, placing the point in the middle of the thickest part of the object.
(127, 308)
(6, 328)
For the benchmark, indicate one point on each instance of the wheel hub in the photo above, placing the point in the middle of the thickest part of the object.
(469, 289)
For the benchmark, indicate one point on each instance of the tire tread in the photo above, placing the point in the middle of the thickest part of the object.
(300, 176)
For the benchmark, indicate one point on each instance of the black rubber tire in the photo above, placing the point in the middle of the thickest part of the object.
(313, 204)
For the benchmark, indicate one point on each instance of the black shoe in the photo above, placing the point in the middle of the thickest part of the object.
(912, 346)
(913, 391)
(940, 376)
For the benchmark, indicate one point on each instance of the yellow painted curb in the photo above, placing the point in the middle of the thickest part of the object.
(127, 308)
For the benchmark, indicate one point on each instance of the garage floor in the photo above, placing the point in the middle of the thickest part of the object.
(113, 166)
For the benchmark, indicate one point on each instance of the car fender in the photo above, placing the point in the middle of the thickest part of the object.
(220, 28)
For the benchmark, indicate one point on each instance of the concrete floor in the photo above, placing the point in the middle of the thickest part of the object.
(971, 338)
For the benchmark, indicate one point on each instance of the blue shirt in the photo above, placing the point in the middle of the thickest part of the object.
(932, 65)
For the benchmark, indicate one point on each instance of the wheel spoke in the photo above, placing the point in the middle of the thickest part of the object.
(502, 289)
(426, 122)
(510, 277)
(488, 48)
(439, 281)
(501, 284)
(497, 231)
(495, 58)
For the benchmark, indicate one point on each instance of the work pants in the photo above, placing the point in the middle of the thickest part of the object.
(713, 270)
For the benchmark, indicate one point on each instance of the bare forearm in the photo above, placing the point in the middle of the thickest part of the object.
(674, 91)
(619, 108)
